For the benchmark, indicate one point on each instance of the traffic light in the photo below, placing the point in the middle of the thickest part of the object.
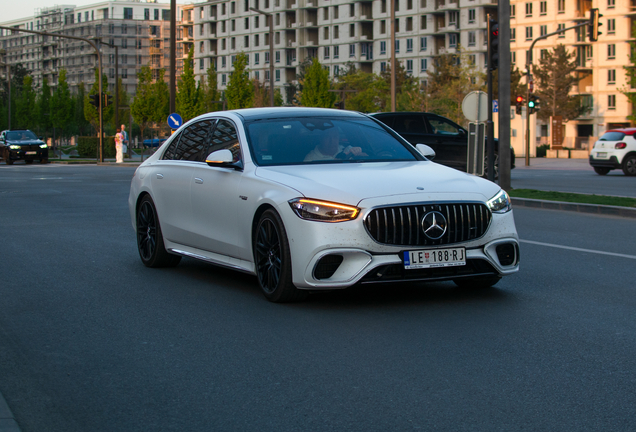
(537, 103)
(493, 43)
(533, 105)
(94, 100)
(592, 30)
(108, 100)
(519, 105)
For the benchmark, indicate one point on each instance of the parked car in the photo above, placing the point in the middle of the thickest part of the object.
(317, 199)
(154, 142)
(616, 149)
(445, 137)
(22, 144)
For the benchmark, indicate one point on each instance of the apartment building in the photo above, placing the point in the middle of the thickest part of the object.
(338, 32)
(139, 30)
(601, 64)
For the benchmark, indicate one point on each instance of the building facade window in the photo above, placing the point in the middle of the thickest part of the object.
(409, 45)
(543, 8)
(472, 39)
(561, 27)
(423, 43)
(611, 51)
(543, 30)
(611, 26)
(611, 76)
(513, 34)
(409, 66)
(611, 102)
(352, 50)
(561, 6)
(423, 65)
(382, 47)
(528, 9)
(471, 16)
(529, 33)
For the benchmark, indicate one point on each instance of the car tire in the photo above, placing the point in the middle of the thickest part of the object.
(496, 166)
(272, 260)
(150, 239)
(28, 162)
(629, 165)
(478, 282)
(8, 160)
(601, 170)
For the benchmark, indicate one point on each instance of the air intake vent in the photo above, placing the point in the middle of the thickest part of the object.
(428, 224)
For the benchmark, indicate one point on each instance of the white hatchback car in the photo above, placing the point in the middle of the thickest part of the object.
(615, 149)
(314, 199)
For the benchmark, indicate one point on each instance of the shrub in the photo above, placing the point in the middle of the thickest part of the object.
(542, 149)
(88, 147)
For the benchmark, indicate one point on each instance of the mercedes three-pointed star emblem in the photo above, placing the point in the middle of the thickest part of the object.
(434, 225)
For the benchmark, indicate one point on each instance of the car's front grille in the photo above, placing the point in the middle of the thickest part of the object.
(402, 225)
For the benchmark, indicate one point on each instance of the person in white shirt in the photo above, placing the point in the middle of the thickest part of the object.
(331, 149)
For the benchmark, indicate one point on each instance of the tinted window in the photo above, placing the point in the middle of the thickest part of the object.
(194, 140)
(225, 137)
(21, 136)
(612, 136)
(169, 153)
(295, 141)
(441, 126)
(409, 124)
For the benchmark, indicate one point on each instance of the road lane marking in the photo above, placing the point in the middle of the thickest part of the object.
(579, 249)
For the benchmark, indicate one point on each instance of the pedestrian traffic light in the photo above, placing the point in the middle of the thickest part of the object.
(592, 30)
(108, 100)
(493, 43)
(94, 100)
(519, 105)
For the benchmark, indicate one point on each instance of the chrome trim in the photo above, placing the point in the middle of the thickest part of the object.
(207, 259)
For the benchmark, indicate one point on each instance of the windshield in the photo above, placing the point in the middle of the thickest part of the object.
(612, 136)
(21, 136)
(315, 140)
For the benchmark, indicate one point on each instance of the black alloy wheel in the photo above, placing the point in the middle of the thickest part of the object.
(601, 170)
(486, 167)
(149, 238)
(272, 260)
(629, 165)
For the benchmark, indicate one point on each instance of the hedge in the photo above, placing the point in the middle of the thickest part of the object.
(88, 147)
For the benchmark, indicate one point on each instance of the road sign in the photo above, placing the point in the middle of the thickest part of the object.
(475, 106)
(174, 121)
(495, 106)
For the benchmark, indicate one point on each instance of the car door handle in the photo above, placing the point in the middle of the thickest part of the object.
(198, 180)
(159, 176)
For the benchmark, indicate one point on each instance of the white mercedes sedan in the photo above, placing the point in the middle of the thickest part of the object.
(312, 199)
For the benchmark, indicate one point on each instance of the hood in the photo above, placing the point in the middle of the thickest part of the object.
(25, 142)
(351, 183)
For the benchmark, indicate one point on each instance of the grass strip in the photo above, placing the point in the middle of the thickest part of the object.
(573, 197)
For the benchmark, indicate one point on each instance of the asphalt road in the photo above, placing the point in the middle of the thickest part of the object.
(570, 175)
(90, 339)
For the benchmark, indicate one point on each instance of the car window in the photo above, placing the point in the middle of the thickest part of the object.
(225, 137)
(21, 136)
(612, 136)
(413, 123)
(169, 153)
(193, 141)
(441, 126)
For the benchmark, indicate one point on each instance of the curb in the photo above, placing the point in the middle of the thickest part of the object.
(604, 210)
(7, 421)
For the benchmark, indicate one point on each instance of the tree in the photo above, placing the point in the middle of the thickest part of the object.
(142, 106)
(630, 70)
(555, 76)
(210, 92)
(91, 113)
(368, 90)
(239, 92)
(44, 107)
(315, 87)
(79, 125)
(189, 101)
(26, 109)
(160, 98)
(261, 95)
(61, 105)
(405, 88)
(123, 101)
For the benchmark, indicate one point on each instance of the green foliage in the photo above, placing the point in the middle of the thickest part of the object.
(88, 147)
(209, 91)
(542, 150)
(316, 86)
(239, 92)
(44, 106)
(25, 106)
(161, 99)
(368, 90)
(61, 106)
(629, 90)
(405, 88)
(142, 106)
(122, 100)
(91, 113)
(189, 101)
(555, 76)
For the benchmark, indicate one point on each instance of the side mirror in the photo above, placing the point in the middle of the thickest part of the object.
(426, 151)
(223, 158)
(462, 132)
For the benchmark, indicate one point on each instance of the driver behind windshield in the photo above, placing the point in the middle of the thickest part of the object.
(331, 149)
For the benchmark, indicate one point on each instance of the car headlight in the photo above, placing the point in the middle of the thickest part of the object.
(323, 211)
(43, 146)
(14, 147)
(500, 203)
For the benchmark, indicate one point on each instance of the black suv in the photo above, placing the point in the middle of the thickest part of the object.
(447, 138)
(22, 144)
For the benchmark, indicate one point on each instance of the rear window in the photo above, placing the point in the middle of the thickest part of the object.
(612, 136)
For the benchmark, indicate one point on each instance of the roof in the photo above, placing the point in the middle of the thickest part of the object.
(626, 131)
(278, 112)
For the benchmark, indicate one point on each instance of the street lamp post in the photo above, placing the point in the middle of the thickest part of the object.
(99, 61)
(271, 53)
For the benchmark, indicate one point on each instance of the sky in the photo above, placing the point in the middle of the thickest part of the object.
(26, 8)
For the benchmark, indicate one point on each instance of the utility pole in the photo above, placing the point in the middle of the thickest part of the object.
(393, 66)
(116, 79)
(342, 96)
(504, 94)
(99, 62)
(270, 18)
(173, 54)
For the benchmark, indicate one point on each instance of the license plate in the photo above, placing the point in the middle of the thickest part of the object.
(601, 155)
(31, 152)
(428, 258)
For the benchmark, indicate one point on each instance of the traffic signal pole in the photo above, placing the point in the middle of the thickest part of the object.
(99, 61)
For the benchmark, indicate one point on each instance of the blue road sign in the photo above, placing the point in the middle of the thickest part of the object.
(174, 121)
(495, 106)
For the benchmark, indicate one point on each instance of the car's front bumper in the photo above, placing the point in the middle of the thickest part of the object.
(38, 154)
(319, 246)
